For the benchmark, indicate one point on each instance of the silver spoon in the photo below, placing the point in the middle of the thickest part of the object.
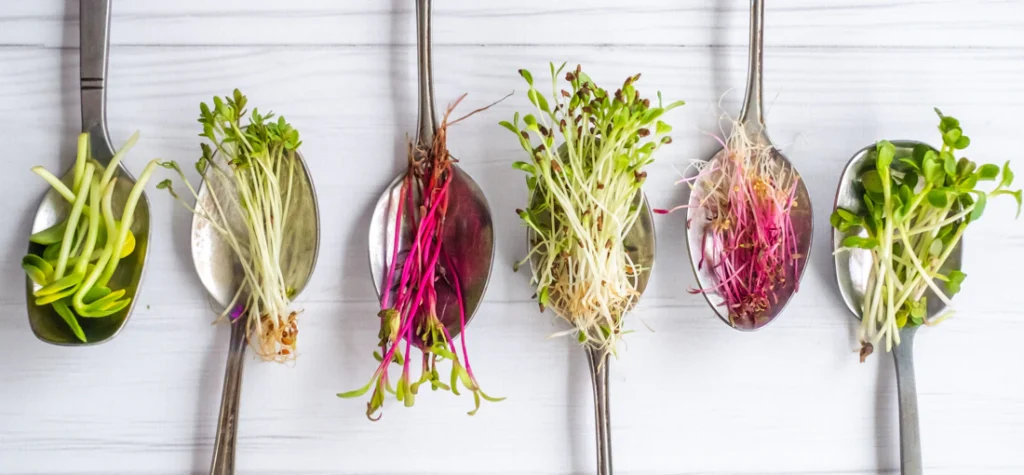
(94, 26)
(752, 120)
(221, 274)
(468, 229)
(852, 271)
(640, 245)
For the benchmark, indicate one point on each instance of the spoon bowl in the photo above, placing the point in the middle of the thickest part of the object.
(853, 267)
(640, 244)
(218, 266)
(803, 227)
(468, 235)
(751, 120)
(44, 320)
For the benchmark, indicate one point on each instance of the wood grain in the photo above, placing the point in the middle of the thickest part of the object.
(927, 24)
(691, 397)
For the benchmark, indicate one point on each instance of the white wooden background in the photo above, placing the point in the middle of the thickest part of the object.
(693, 397)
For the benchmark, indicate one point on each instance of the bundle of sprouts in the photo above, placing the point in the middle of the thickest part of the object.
(78, 256)
(421, 282)
(744, 200)
(256, 167)
(585, 197)
(913, 212)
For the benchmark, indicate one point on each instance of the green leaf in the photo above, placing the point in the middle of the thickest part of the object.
(918, 154)
(951, 136)
(537, 99)
(526, 167)
(531, 122)
(860, 242)
(979, 207)
(847, 215)
(988, 172)
(1007, 176)
(872, 181)
(69, 318)
(913, 165)
(901, 318)
(933, 172)
(968, 184)
(34, 273)
(886, 153)
(508, 125)
(938, 198)
(962, 142)
(50, 235)
(527, 76)
(910, 179)
(956, 278)
(948, 163)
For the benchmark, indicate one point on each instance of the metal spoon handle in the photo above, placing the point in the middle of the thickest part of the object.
(427, 116)
(598, 363)
(910, 431)
(94, 44)
(227, 423)
(753, 104)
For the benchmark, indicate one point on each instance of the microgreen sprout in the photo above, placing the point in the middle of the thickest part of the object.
(584, 197)
(914, 211)
(411, 304)
(78, 256)
(257, 164)
(745, 200)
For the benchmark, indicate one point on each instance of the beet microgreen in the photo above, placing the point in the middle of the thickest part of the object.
(410, 314)
(79, 255)
(257, 164)
(584, 196)
(914, 213)
(749, 244)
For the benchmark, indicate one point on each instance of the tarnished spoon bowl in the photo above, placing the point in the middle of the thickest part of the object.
(853, 267)
(45, 323)
(468, 238)
(803, 228)
(218, 266)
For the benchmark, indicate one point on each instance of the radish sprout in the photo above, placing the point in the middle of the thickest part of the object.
(585, 197)
(80, 254)
(914, 212)
(748, 242)
(258, 162)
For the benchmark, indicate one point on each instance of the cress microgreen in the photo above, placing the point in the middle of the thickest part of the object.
(911, 232)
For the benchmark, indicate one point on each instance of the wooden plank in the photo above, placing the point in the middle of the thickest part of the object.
(928, 24)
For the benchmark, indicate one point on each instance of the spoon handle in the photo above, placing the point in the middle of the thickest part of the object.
(910, 431)
(94, 44)
(753, 104)
(427, 117)
(598, 363)
(227, 423)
